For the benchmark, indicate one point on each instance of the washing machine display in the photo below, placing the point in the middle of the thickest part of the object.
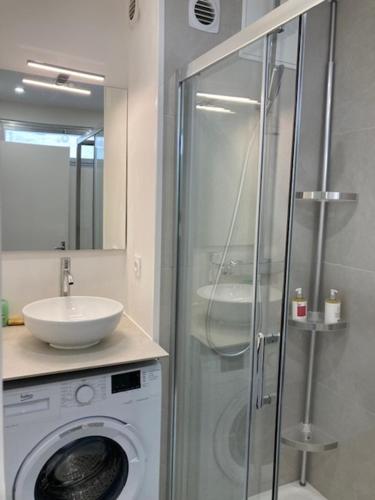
(96, 438)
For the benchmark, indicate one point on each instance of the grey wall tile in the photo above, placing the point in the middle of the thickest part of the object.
(355, 66)
(345, 360)
(344, 397)
(348, 472)
(351, 226)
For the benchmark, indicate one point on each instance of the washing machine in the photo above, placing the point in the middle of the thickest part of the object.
(88, 436)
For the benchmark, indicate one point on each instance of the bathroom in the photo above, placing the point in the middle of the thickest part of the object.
(165, 166)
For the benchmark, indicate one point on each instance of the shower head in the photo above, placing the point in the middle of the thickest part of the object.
(275, 83)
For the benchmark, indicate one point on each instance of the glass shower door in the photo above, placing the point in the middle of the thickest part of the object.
(236, 159)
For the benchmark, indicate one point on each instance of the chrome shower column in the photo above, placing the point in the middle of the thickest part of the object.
(321, 229)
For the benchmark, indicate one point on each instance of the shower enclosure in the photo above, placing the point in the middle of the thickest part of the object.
(239, 155)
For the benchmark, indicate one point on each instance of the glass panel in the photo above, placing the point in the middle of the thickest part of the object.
(274, 211)
(91, 468)
(218, 219)
(224, 250)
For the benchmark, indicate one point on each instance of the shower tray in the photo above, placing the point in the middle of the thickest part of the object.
(292, 491)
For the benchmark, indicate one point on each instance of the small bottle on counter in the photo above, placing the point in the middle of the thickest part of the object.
(4, 312)
(299, 306)
(332, 309)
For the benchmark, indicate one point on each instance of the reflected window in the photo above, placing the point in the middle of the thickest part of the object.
(49, 138)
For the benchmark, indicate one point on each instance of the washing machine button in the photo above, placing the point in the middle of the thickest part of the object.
(85, 394)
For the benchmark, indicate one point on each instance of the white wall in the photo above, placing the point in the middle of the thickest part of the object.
(144, 109)
(28, 276)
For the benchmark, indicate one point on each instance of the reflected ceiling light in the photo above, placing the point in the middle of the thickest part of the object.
(54, 86)
(228, 98)
(66, 71)
(215, 109)
(19, 90)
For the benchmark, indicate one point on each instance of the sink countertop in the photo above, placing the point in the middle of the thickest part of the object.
(24, 356)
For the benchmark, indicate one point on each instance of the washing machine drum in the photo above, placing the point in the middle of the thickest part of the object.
(93, 458)
(91, 468)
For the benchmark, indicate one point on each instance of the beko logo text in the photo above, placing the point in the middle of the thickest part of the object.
(26, 397)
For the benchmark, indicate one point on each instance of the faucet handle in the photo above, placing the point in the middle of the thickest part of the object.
(66, 279)
(62, 246)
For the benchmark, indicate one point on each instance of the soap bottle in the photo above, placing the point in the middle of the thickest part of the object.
(299, 306)
(332, 310)
(4, 312)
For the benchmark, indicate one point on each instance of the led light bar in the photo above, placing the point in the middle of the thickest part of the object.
(215, 109)
(228, 98)
(53, 86)
(66, 71)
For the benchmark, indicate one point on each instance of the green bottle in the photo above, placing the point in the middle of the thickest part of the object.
(4, 312)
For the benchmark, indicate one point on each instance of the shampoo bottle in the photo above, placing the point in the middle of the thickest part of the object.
(332, 310)
(299, 306)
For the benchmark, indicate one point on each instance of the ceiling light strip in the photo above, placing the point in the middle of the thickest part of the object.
(63, 88)
(228, 98)
(66, 71)
(215, 109)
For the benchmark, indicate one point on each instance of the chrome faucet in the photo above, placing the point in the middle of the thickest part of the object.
(66, 279)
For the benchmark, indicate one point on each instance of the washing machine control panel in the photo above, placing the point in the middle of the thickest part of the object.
(128, 381)
(83, 392)
(127, 384)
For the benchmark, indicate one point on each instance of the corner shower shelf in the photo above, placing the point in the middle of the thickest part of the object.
(308, 438)
(326, 196)
(315, 321)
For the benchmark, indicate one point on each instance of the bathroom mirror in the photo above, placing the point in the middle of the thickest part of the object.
(62, 163)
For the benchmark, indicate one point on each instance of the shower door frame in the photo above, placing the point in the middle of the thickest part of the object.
(288, 11)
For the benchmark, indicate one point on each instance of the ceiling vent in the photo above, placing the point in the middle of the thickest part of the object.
(204, 15)
(133, 11)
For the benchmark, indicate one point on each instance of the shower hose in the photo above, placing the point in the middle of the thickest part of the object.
(208, 320)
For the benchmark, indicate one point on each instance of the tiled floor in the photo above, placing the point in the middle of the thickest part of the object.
(293, 491)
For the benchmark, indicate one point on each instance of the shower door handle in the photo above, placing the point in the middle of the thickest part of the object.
(262, 341)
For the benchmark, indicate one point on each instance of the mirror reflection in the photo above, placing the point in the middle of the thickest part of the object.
(63, 164)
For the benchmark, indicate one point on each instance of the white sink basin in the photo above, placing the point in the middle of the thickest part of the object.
(72, 322)
(232, 302)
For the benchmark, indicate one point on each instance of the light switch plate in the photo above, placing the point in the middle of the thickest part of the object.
(137, 266)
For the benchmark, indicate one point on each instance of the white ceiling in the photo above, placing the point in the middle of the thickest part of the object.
(88, 35)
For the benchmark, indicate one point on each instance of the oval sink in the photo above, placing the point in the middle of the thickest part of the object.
(72, 322)
(231, 302)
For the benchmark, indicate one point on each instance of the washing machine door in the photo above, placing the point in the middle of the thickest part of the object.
(95, 458)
